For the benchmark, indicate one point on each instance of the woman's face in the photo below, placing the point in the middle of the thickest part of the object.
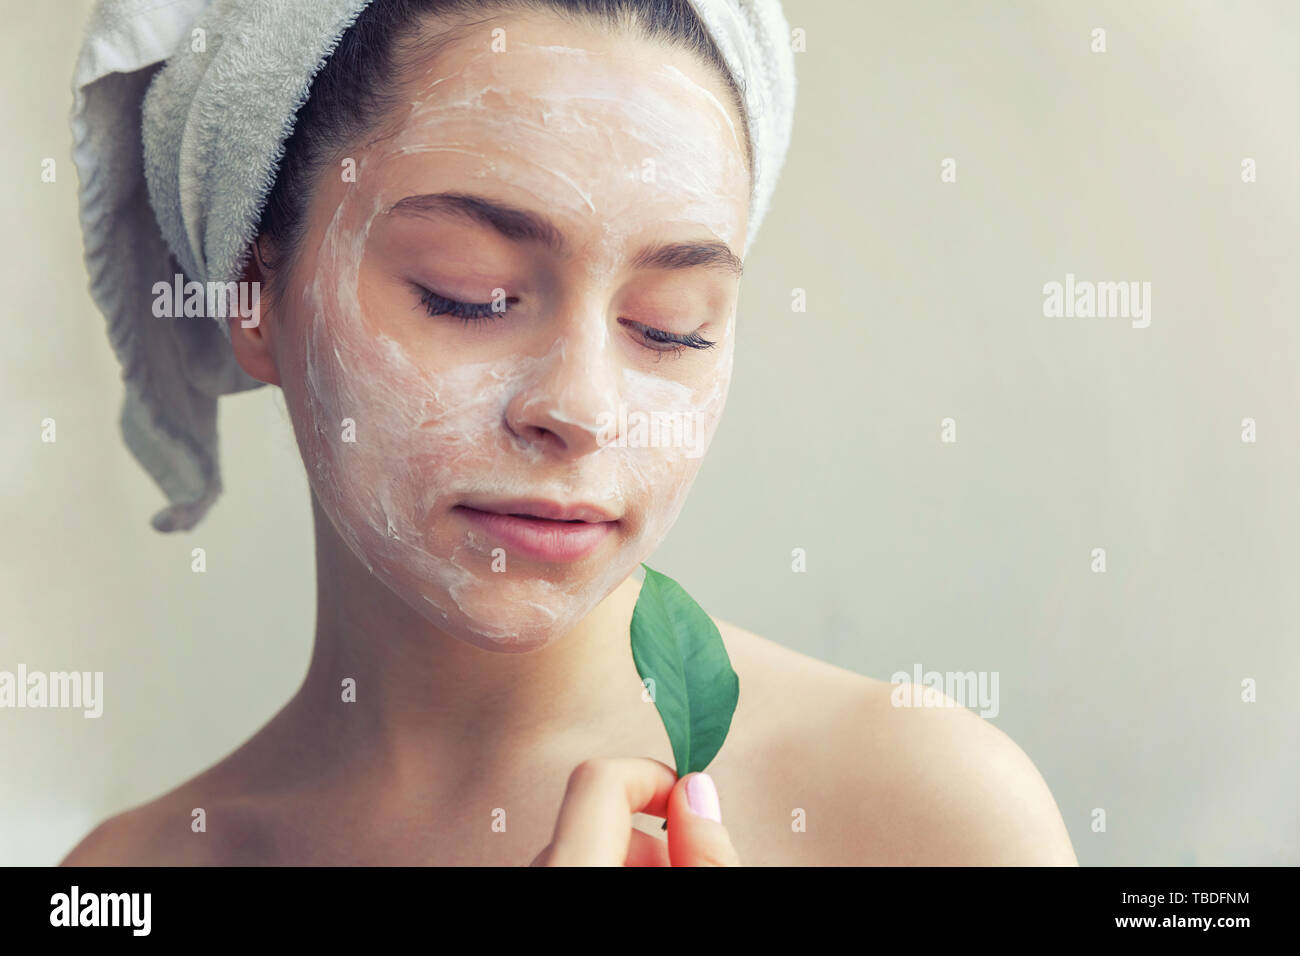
(588, 195)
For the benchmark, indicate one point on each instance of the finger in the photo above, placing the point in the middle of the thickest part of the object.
(694, 839)
(646, 850)
(594, 827)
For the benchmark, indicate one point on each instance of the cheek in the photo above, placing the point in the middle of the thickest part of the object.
(393, 441)
(665, 428)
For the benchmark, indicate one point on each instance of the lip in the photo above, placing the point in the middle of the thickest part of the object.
(543, 508)
(551, 532)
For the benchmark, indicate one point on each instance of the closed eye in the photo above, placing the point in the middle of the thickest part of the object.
(656, 340)
(436, 304)
(660, 341)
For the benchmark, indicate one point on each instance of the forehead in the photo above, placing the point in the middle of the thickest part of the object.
(608, 132)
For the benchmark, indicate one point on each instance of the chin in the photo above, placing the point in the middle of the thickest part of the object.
(510, 613)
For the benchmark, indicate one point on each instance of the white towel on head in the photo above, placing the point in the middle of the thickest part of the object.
(181, 110)
(754, 39)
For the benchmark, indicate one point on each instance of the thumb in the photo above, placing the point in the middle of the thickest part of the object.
(696, 836)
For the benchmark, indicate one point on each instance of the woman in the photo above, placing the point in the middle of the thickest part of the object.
(499, 231)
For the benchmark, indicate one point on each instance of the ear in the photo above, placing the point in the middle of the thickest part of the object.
(250, 329)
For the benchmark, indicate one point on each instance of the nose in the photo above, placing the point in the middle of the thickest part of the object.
(569, 405)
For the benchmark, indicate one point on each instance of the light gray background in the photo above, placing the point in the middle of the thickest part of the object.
(924, 302)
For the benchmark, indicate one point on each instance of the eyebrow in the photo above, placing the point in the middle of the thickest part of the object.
(522, 225)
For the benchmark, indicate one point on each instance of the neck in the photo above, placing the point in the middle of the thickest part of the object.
(425, 699)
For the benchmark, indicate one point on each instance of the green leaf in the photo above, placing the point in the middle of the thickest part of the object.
(678, 646)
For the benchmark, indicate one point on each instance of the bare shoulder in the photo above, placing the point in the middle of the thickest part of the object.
(193, 825)
(853, 778)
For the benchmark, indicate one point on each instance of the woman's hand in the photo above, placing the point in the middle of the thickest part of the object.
(594, 827)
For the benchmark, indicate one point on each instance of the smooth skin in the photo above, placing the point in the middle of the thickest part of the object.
(874, 785)
(456, 755)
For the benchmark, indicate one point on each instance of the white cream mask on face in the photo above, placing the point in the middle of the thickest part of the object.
(613, 153)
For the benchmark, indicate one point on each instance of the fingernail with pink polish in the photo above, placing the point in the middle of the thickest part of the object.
(702, 797)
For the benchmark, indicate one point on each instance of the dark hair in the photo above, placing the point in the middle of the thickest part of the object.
(359, 83)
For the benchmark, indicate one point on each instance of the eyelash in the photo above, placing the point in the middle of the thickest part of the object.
(436, 304)
(477, 312)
